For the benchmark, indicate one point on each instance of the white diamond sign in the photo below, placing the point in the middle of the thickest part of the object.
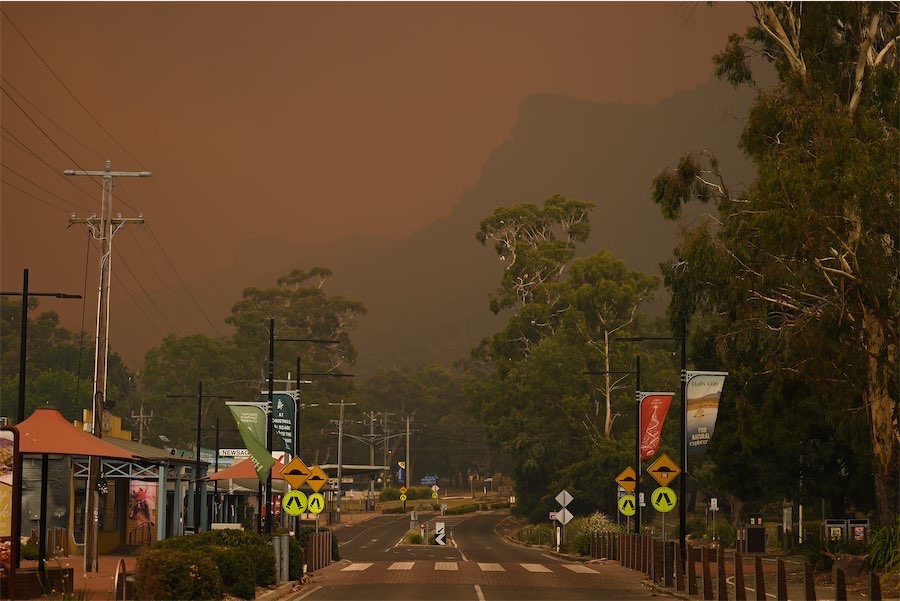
(564, 498)
(563, 516)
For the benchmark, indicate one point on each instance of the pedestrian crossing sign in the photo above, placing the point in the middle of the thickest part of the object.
(316, 503)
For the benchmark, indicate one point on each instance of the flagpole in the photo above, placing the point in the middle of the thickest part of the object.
(637, 443)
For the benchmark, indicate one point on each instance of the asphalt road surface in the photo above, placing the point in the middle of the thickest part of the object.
(477, 564)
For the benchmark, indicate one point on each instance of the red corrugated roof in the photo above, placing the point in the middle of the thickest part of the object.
(244, 469)
(47, 431)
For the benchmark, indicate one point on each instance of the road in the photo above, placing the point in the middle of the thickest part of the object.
(477, 564)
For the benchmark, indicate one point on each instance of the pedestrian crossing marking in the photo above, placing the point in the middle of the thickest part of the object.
(448, 566)
(536, 567)
(579, 568)
(356, 567)
(401, 565)
(491, 567)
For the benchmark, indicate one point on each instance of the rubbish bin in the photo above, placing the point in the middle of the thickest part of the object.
(859, 530)
(755, 539)
(834, 530)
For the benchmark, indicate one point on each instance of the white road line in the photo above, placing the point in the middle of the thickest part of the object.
(579, 568)
(447, 566)
(535, 567)
(478, 593)
(402, 565)
(491, 567)
(356, 567)
(309, 592)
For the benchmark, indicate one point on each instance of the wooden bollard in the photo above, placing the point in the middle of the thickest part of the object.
(707, 578)
(780, 579)
(809, 582)
(722, 588)
(840, 584)
(874, 587)
(760, 579)
(740, 591)
(691, 572)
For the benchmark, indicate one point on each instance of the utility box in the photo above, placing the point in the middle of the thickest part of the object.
(755, 535)
(859, 530)
(834, 530)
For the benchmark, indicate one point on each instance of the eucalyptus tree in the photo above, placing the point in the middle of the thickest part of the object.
(302, 309)
(538, 405)
(802, 268)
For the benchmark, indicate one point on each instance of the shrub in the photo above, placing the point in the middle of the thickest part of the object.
(460, 509)
(535, 534)
(177, 574)
(254, 550)
(236, 570)
(414, 537)
(884, 549)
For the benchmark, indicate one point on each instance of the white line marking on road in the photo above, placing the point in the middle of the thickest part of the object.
(535, 567)
(579, 568)
(478, 593)
(309, 592)
(491, 567)
(448, 566)
(402, 565)
(357, 567)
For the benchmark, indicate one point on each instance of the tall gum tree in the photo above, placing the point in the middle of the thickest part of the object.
(808, 257)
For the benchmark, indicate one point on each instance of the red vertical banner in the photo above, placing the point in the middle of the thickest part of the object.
(654, 407)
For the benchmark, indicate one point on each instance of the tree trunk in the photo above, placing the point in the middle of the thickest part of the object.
(881, 412)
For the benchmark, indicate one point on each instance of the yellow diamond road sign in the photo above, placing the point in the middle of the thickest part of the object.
(317, 478)
(627, 479)
(295, 473)
(402, 490)
(664, 470)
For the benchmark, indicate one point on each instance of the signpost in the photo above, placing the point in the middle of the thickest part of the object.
(317, 478)
(664, 499)
(295, 473)
(439, 534)
(627, 479)
(294, 503)
(664, 470)
(627, 505)
(563, 516)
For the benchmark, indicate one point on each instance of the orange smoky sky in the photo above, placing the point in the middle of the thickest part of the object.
(299, 121)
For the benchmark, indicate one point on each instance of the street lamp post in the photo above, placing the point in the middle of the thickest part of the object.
(16, 531)
(682, 484)
(270, 426)
(197, 498)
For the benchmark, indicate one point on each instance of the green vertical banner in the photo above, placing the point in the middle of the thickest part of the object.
(251, 423)
(704, 388)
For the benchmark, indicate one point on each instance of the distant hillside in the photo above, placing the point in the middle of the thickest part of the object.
(427, 294)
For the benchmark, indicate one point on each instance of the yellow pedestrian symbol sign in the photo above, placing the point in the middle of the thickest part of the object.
(294, 503)
(664, 499)
(627, 505)
(316, 503)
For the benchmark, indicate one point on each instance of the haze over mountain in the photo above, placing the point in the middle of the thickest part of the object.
(427, 294)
